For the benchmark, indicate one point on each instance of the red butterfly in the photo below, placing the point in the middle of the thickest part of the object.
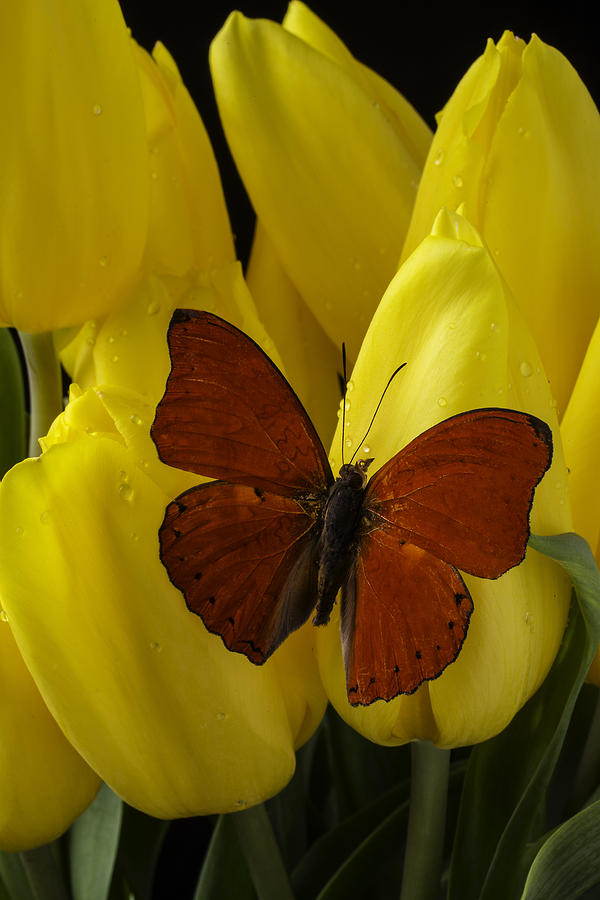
(256, 552)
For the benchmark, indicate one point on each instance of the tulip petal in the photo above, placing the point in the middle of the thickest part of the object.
(330, 179)
(129, 347)
(189, 225)
(46, 784)
(172, 721)
(518, 145)
(448, 315)
(310, 358)
(73, 163)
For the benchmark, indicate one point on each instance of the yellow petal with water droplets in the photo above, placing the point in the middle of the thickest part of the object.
(189, 225)
(518, 144)
(73, 163)
(129, 347)
(336, 219)
(447, 314)
(110, 642)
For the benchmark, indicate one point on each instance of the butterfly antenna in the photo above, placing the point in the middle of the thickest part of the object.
(344, 390)
(391, 378)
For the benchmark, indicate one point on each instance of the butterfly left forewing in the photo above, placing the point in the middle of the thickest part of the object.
(463, 490)
(405, 615)
(245, 561)
(229, 413)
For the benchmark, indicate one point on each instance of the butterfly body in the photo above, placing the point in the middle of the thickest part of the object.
(256, 552)
(343, 516)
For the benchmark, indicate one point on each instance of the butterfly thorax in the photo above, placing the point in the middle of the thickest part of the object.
(337, 544)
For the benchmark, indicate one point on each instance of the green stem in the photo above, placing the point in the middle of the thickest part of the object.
(45, 384)
(426, 822)
(588, 772)
(43, 873)
(262, 854)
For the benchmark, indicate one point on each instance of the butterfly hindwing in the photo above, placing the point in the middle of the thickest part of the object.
(405, 616)
(229, 413)
(463, 490)
(245, 561)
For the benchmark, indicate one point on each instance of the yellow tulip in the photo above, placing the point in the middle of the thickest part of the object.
(171, 720)
(330, 156)
(46, 784)
(580, 430)
(74, 174)
(189, 226)
(518, 145)
(448, 314)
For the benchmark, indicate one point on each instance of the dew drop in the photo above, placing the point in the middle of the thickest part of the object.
(442, 401)
(240, 803)
(339, 413)
(347, 423)
(45, 517)
(110, 339)
(525, 369)
(439, 159)
(20, 530)
(366, 448)
(3, 615)
(350, 386)
(482, 357)
(114, 358)
(493, 326)
(126, 492)
(154, 645)
(96, 109)
(452, 325)
(221, 715)
(135, 419)
(103, 262)
(348, 442)
(347, 405)
(458, 182)
(152, 308)
(134, 536)
(91, 341)
(521, 131)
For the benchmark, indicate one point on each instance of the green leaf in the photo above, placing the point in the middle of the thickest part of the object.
(13, 428)
(140, 844)
(569, 861)
(503, 798)
(14, 882)
(94, 840)
(225, 873)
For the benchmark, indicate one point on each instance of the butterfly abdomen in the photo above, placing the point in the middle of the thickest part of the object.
(337, 545)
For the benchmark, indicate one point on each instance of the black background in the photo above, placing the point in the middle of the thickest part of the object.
(422, 48)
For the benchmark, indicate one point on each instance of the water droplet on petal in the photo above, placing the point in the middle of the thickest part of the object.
(347, 405)
(458, 182)
(45, 517)
(3, 615)
(134, 536)
(154, 645)
(442, 401)
(348, 442)
(221, 716)
(20, 530)
(339, 413)
(103, 262)
(439, 158)
(114, 358)
(153, 307)
(366, 448)
(350, 386)
(135, 419)
(126, 492)
(525, 369)
(96, 109)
